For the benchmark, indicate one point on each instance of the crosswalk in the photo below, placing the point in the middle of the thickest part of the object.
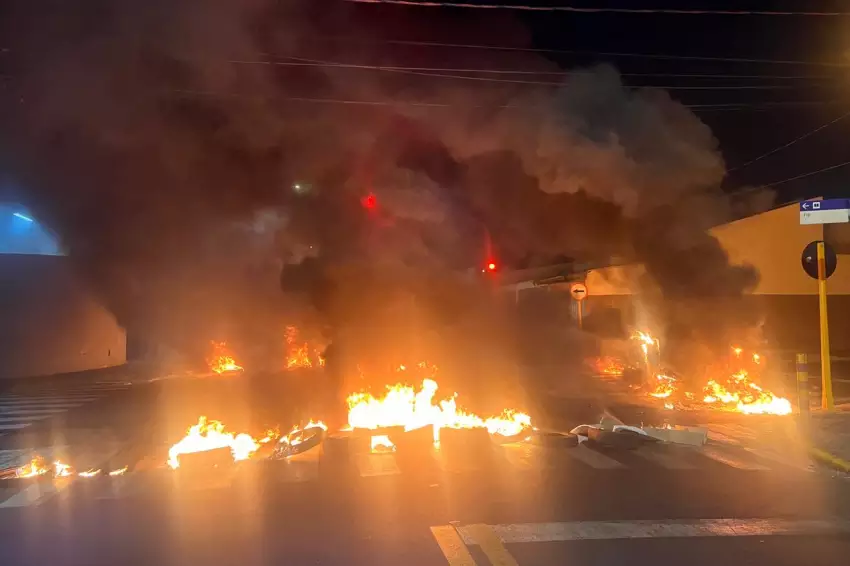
(19, 410)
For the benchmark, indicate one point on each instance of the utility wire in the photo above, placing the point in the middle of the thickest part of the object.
(523, 7)
(301, 62)
(593, 53)
(790, 143)
(809, 174)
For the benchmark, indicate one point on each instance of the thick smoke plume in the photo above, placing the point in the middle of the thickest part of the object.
(186, 152)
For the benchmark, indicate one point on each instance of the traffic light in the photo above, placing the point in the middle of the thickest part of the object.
(369, 201)
(491, 266)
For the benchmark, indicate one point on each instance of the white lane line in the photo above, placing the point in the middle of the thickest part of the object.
(14, 426)
(724, 457)
(50, 398)
(36, 405)
(20, 419)
(666, 459)
(607, 530)
(26, 412)
(593, 458)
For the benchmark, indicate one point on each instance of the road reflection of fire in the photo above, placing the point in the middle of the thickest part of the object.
(221, 360)
(405, 406)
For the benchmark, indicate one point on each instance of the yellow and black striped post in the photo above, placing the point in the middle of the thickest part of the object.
(803, 387)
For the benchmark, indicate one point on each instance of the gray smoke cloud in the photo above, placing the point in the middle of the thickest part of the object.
(164, 146)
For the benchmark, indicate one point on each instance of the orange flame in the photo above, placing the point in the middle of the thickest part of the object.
(221, 360)
(665, 386)
(298, 353)
(210, 435)
(741, 394)
(403, 405)
(36, 467)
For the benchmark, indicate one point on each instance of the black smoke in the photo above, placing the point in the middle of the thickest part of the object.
(164, 142)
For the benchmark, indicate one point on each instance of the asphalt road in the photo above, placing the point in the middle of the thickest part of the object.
(544, 505)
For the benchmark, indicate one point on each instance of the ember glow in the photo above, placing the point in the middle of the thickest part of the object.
(665, 385)
(608, 366)
(210, 435)
(731, 386)
(298, 353)
(739, 393)
(405, 406)
(221, 361)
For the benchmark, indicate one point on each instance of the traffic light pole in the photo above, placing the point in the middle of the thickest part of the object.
(827, 402)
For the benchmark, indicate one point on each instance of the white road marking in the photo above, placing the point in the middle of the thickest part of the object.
(20, 419)
(725, 457)
(666, 459)
(593, 458)
(37, 404)
(607, 530)
(28, 412)
(14, 426)
(452, 546)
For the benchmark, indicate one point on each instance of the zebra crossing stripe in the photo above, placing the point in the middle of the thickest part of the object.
(35, 405)
(593, 458)
(726, 458)
(671, 461)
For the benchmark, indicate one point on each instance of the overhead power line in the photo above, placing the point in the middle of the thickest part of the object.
(426, 72)
(591, 10)
(809, 174)
(660, 56)
(790, 143)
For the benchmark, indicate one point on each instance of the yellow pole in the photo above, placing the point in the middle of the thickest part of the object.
(826, 370)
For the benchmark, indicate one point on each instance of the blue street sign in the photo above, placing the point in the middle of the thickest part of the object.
(829, 204)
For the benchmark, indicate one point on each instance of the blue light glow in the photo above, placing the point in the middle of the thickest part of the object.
(21, 216)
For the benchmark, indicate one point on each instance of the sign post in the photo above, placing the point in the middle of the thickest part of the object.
(578, 291)
(819, 262)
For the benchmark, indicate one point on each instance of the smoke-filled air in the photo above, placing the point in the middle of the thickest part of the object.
(218, 169)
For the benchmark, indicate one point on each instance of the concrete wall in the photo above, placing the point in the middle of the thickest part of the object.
(50, 322)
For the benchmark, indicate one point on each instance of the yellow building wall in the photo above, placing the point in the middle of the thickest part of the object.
(772, 242)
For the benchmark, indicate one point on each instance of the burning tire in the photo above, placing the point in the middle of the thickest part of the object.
(300, 441)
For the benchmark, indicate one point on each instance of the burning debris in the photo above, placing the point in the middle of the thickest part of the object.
(405, 406)
(221, 361)
(299, 354)
(209, 435)
(735, 390)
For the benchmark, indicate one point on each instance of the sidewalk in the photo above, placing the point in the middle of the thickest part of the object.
(830, 438)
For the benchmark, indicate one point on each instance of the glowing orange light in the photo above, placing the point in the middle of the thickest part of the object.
(491, 266)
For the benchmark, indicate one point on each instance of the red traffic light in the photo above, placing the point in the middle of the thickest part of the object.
(370, 201)
(491, 266)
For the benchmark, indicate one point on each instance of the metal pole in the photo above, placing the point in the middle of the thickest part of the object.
(803, 389)
(826, 369)
(579, 314)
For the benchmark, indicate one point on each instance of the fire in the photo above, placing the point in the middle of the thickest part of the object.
(221, 360)
(210, 435)
(36, 467)
(119, 471)
(381, 443)
(298, 353)
(403, 405)
(664, 387)
(608, 366)
(646, 342)
(61, 470)
(741, 394)
(89, 473)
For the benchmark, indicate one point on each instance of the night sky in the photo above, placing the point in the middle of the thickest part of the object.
(814, 49)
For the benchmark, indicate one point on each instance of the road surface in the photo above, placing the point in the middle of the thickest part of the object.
(502, 505)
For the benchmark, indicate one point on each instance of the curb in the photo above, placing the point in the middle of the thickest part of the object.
(829, 460)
